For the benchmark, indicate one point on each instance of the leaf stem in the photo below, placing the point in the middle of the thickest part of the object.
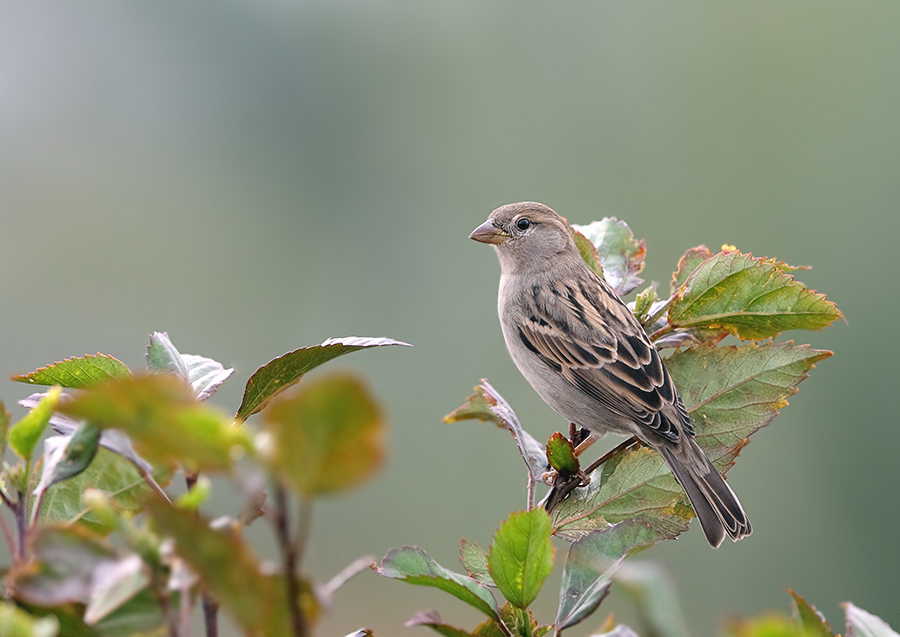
(21, 526)
(210, 607)
(661, 332)
(525, 621)
(152, 483)
(350, 571)
(289, 554)
(650, 320)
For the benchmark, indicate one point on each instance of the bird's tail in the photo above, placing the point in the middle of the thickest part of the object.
(714, 502)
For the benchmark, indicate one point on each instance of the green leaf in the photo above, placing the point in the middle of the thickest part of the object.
(114, 586)
(163, 418)
(228, 569)
(561, 454)
(414, 566)
(326, 437)
(487, 405)
(67, 456)
(204, 374)
(140, 616)
(812, 620)
(591, 564)
(588, 252)
(163, 357)
(863, 624)
(430, 619)
(653, 591)
(65, 560)
(24, 435)
(687, 264)
(619, 253)
(749, 297)
(199, 494)
(730, 392)
(771, 625)
(15, 622)
(474, 560)
(279, 374)
(77, 373)
(110, 474)
(521, 556)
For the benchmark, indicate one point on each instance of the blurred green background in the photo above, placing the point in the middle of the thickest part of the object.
(257, 176)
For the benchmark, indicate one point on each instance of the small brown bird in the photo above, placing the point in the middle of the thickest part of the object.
(588, 357)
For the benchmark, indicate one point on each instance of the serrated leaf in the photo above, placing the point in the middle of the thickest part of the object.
(730, 392)
(474, 560)
(807, 616)
(163, 418)
(588, 252)
(227, 568)
(620, 254)
(864, 624)
(487, 405)
(24, 435)
(561, 454)
(521, 557)
(749, 297)
(414, 566)
(204, 374)
(77, 373)
(326, 437)
(280, 373)
(591, 564)
(113, 476)
(15, 622)
(687, 264)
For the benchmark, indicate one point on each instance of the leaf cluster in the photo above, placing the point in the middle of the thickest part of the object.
(87, 563)
(628, 499)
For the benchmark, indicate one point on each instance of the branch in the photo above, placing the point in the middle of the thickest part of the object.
(290, 558)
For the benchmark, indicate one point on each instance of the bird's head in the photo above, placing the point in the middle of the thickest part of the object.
(527, 235)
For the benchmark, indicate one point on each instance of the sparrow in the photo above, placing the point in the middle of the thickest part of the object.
(587, 356)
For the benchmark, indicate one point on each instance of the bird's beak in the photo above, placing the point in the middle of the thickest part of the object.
(489, 233)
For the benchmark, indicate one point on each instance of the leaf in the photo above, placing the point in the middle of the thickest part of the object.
(619, 631)
(591, 564)
(521, 556)
(140, 616)
(165, 421)
(653, 591)
(807, 616)
(109, 473)
(199, 493)
(474, 560)
(588, 252)
(771, 625)
(114, 585)
(561, 454)
(204, 374)
(326, 437)
(687, 264)
(64, 566)
(23, 435)
(77, 373)
(280, 373)
(730, 392)
(619, 253)
(749, 297)
(412, 565)
(487, 405)
(67, 456)
(431, 619)
(15, 622)
(863, 624)
(228, 569)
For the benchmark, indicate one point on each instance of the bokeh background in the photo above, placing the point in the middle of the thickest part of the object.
(257, 176)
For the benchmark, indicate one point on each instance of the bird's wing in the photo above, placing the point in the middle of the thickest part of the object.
(600, 349)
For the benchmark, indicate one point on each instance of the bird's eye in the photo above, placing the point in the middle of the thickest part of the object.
(523, 224)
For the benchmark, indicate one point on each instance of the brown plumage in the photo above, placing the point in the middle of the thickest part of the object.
(587, 356)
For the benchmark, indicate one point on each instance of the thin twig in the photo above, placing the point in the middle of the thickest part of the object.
(289, 556)
(350, 571)
(5, 498)
(650, 320)
(210, 607)
(7, 533)
(304, 525)
(529, 493)
(152, 483)
(563, 488)
(661, 332)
